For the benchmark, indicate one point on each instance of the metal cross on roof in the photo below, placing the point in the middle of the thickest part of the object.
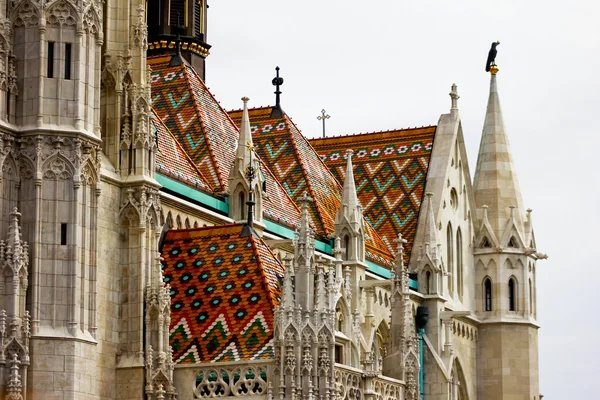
(323, 117)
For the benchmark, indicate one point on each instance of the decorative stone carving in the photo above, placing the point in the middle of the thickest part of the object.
(62, 13)
(140, 30)
(26, 14)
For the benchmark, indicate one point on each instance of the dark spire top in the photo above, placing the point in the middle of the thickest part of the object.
(323, 117)
(177, 59)
(248, 229)
(277, 82)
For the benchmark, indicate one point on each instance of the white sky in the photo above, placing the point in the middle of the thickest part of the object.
(384, 64)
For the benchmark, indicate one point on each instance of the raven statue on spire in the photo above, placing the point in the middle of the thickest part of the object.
(491, 56)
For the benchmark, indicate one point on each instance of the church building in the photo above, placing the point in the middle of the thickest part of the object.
(157, 246)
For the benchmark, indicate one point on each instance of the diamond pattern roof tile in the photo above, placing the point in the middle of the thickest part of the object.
(224, 289)
(390, 170)
(297, 166)
(172, 160)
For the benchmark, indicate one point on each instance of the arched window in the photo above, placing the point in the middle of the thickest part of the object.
(487, 288)
(346, 247)
(459, 262)
(513, 242)
(428, 283)
(450, 257)
(512, 295)
(485, 242)
(242, 200)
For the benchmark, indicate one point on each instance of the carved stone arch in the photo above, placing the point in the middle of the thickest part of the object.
(291, 334)
(196, 224)
(178, 222)
(130, 215)
(26, 15)
(491, 264)
(508, 264)
(519, 265)
(58, 167)
(153, 216)
(9, 167)
(187, 223)
(342, 316)
(169, 220)
(308, 336)
(62, 13)
(479, 265)
(89, 176)
(91, 22)
(108, 80)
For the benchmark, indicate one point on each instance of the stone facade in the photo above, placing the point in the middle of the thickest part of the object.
(84, 311)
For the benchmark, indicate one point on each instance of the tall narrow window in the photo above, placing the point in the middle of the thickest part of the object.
(487, 287)
(346, 247)
(67, 60)
(459, 262)
(177, 13)
(8, 105)
(198, 19)
(242, 205)
(450, 257)
(512, 301)
(63, 234)
(428, 283)
(50, 66)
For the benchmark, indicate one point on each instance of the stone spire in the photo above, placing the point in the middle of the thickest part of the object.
(245, 140)
(495, 183)
(350, 208)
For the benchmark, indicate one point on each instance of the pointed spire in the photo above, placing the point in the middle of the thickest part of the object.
(245, 144)
(350, 207)
(495, 182)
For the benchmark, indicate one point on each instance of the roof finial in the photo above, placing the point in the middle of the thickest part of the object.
(454, 96)
(248, 229)
(277, 82)
(323, 117)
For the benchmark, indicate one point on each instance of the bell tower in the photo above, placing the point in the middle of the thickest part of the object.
(505, 264)
(183, 21)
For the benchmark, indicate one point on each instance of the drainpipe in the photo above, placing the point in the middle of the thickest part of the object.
(421, 321)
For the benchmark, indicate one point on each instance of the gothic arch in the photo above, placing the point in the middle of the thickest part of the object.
(62, 13)
(459, 389)
(508, 264)
(26, 15)
(488, 294)
(91, 22)
(58, 167)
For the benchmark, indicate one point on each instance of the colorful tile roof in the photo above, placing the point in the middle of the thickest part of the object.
(297, 166)
(194, 116)
(224, 289)
(206, 133)
(390, 171)
(171, 159)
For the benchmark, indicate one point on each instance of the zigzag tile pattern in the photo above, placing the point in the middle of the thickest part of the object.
(224, 289)
(390, 171)
(295, 164)
(204, 131)
(171, 159)
(194, 116)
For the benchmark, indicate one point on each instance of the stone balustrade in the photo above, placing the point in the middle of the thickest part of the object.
(247, 380)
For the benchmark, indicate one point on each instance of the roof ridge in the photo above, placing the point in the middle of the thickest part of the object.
(198, 115)
(209, 227)
(250, 109)
(363, 134)
(303, 167)
(187, 156)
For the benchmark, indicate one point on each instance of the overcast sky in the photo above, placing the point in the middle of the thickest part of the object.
(377, 65)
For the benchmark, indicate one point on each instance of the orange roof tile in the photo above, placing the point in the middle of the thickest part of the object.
(224, 289)
(171, 159)
(297, 166)
(390, 170)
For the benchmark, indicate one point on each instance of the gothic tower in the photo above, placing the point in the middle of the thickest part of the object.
(170, 21)
(505, 265)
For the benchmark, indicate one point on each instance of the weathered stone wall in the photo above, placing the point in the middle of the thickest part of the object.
(507, 362)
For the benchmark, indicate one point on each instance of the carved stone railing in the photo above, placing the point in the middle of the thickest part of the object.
(348, 382)
(246, 379)
(387, 388)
